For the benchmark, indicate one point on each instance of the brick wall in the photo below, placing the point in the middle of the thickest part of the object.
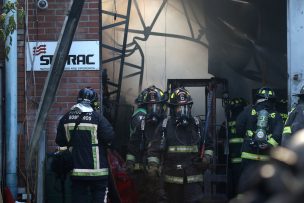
(46, 25)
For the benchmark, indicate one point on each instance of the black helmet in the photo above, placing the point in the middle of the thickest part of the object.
(151, 95)
(153, 99)
(181, 103)
(90, 95)
(301, 93)
(180, 96)
(237, 103)
(265, 93)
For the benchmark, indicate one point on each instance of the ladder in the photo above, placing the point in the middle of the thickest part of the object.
(118, 49)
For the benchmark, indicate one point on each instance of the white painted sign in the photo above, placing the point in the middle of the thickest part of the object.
(83, 55)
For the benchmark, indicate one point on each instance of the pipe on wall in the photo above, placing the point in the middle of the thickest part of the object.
(11, 110)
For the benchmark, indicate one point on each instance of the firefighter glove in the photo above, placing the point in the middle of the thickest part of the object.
(153, 170)
(130, 166)
(206, 160)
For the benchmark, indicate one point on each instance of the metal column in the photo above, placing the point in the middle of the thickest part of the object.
(295, 45)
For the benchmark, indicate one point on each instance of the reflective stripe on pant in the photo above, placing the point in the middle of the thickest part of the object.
(256, 157)
(180, 180)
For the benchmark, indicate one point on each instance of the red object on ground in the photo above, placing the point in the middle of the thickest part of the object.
(122, 181)
(8, 196)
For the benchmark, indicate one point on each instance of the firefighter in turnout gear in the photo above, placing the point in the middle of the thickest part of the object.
(144, 125)
(87, 134)
(279, 180)
(179, 150)
(282, 108)
(261, 125)
(295, 120)
(235, 107)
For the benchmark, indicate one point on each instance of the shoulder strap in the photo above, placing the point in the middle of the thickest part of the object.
(77, 122)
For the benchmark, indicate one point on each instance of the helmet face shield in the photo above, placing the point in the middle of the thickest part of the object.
(183, 114)
(154, 111)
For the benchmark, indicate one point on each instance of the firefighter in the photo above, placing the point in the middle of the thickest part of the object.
(279, 180)
(178, 149)
(281, 107)
(235, 107)
(261, 125)
(144, 125)
(89, 134)
(295, 120)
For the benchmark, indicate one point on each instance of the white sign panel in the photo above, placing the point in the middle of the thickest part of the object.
(83, 55)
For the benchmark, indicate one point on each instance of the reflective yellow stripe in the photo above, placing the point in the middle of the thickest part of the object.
(180, 180)
(249, 133)
(138, 166)
(195, 178)
(272, 142)
(287, 129)
(231, 123)
(130, 157)
(233, 130)
(90, 172)
(236, 160)
(257, 157)
(153, 159)
(69, 127)
(236, 140)
(209, 152)
(183, 149)
(272, 115)
(253, 112)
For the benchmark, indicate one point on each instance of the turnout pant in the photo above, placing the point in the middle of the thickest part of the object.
(82, 190)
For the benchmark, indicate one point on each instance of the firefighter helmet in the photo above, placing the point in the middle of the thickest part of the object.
(237, 103)
(154, 95)
(265, 93)
(88, 94)
(151, 95)
(181, 103)
(180, 96)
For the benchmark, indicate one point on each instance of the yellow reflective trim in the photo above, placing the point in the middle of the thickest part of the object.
(231, 123)
(209, 152)
(236, 160)
(183, 149)
(90, 172)
(233, 130)
(153, 159)
(272, 142)
(253, 112)
(195, 179)
(69, 127)
(138, 166)
(263, 92)
(180, 180)
(172, 96)
(249, 133)
(130, 157)
(287, 129)
(257, 157)
(174, 179)
(272, 115)
(236, 140)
